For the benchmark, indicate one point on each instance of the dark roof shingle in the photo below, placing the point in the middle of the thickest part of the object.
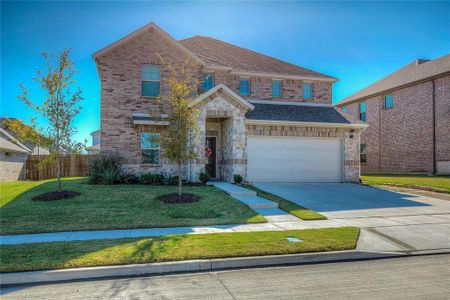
(296, 113)
(216, 52)
(417, 70)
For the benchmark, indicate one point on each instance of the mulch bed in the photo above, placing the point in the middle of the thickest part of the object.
(175, 198)
(52, 196)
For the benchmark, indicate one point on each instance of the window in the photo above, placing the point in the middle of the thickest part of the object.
(150, 148)
(363, 153)
(276, 88)
(362, 111)
(150, 76)
(388, 103)
(345, 109)
(207, 81)
(307, 90)
(244, 87)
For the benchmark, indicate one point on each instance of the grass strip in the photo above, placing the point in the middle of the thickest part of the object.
(288, 206)
(59, 255)
(426, 182)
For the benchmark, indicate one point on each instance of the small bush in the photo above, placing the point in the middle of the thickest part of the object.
(105, 168)
(238, 178)
(147, 178)
(171, 180)
(130, 178)
(204, 177)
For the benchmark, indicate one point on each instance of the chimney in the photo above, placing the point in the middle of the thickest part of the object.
(421, 61)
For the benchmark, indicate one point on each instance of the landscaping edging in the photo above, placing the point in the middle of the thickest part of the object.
(203, 265)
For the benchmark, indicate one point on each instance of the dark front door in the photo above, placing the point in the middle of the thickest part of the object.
(210, 153)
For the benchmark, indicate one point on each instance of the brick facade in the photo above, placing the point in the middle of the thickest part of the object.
(291, 90)
(400, 139)
(120, 76)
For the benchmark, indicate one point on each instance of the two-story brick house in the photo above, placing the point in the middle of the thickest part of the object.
(260, 117)
(408, 113)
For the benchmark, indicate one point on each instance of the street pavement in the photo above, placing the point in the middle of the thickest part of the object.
(413, 277)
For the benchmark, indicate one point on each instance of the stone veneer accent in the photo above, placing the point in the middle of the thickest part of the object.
(351, 169)
(231, 130)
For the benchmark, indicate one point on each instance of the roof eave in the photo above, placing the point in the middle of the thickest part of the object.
(306, 124)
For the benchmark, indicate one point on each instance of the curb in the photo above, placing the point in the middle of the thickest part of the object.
(51, 276)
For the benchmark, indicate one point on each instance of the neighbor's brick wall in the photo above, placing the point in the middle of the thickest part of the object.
(12, 166)
(400, 139)
(443, 123)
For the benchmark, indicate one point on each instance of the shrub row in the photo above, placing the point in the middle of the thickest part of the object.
(106, 168)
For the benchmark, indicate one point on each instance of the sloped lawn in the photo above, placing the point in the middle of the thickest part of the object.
(172, 248)
(101, 207)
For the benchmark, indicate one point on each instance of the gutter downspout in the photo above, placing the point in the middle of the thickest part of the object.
(433, 84)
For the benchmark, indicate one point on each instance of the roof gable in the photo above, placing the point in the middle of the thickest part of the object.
(141, 30)
(415, 71)
(222, 87)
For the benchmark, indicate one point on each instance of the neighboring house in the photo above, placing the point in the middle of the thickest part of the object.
(260, 117)
(13, 154)
(95, 148)
(408, 113)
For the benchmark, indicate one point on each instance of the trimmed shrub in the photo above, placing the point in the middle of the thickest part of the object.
(105, 168)
(130, 178)
(146, 178)
(171, 180)
(238, 178)
(204, 177)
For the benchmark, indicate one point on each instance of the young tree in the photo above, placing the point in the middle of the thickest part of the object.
(182, 118)
(59, 107)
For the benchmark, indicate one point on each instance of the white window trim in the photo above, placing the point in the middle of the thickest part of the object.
(142, 80)
(151, 148)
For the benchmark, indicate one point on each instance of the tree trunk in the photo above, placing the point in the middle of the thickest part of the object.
(58, 173)
(180, 178)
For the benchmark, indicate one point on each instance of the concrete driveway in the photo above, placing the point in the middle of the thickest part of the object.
(403, 221)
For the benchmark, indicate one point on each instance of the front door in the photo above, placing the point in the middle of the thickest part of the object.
(210, 153)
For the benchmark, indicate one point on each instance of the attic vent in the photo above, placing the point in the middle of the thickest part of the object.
(421, 61)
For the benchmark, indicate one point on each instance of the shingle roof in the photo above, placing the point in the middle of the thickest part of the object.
(417, 70)
(295, 113)
(216, 52)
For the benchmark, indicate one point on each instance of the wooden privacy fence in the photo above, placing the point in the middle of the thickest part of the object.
(71, 165)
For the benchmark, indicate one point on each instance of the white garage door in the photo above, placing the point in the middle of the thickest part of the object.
(292, 159)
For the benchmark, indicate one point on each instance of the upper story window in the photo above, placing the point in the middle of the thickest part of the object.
(388, 101)
(244, 87)
(207, 81)
(345, 109)
(362, 111)
(151, 80)
(150, 148)
(276, 88)
(307, 90)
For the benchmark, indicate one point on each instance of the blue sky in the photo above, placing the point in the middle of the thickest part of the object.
(358, 42)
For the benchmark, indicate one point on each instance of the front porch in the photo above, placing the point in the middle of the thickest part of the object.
(222, 134)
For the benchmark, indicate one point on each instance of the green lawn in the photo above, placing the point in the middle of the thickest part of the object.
(441, 183)
(172, 248)
(113, 207)
(288, 206)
